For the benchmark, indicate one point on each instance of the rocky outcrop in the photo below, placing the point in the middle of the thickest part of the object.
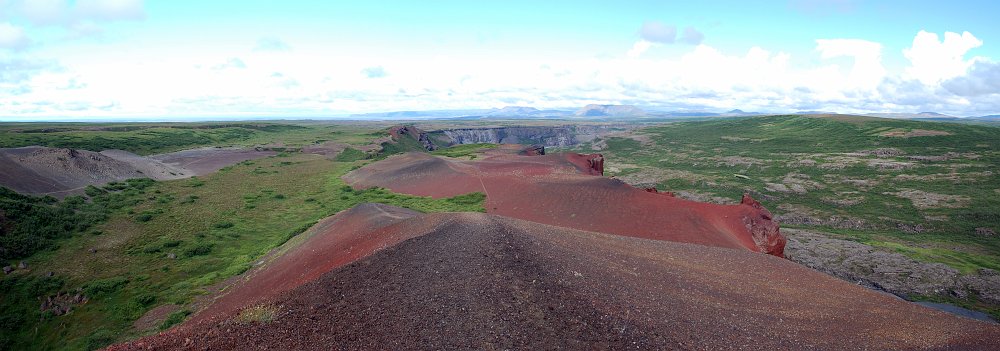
(763, 228)
(888, 271)
(420, 136)
(653, 190)
(596, 162)
(546, 136)
(532, 150)
(62, 303)
(551, 136)
(592, 164)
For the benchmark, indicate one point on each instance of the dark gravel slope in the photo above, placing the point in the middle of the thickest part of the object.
(488, 282)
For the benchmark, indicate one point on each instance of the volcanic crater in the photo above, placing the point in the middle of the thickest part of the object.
(563, 258)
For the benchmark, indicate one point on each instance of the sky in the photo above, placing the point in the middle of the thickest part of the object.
(121, 59)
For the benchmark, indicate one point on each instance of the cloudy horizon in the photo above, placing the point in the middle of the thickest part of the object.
(110, 59)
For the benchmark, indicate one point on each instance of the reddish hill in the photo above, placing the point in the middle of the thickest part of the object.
(566, 190)
(333, 242)
(478, 281)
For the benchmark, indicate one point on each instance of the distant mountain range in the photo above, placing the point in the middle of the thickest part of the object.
(594, 110)
(600, 111)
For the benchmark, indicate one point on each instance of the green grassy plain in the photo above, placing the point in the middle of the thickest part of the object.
(467, 150)
(153, 138)
(924, 197)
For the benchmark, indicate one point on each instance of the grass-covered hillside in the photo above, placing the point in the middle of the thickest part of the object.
(153, 138)
(103, 261)
(929, 190)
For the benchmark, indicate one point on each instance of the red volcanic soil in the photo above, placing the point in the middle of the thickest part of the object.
(562, 189)
(478, 281)
(333, 242)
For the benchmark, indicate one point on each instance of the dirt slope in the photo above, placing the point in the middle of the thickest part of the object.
(334, 242)
(58, 172)
(37, 170)
(565, 190)
(478, 281)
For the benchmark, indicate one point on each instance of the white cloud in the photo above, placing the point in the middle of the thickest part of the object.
(845, 75)
(12, 37)
(22, 69)
(232, 63)
(80, 18)
(111, 10)
(933, 61)
(867, 71)
(653, 33)
(982, 79)
(638, 48)
(45, 12)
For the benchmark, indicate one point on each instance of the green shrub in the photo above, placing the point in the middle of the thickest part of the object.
(223, 225)
(144, 217)
(350, 155)
(174, 318)
(104, 287)
(93, 191)
(99, 339)
(144, 299)
(198, 250)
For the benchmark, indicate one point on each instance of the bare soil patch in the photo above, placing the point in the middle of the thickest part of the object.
(913, 133)
(927, 200)
(890, 165)
(154, 317)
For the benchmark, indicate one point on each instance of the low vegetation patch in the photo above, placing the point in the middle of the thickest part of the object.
(351, 155)
(463, 150)
(261, 313)
(30, 224)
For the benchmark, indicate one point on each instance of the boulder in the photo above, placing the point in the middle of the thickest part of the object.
(983, 231)
(533, 150)
(653, 190)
